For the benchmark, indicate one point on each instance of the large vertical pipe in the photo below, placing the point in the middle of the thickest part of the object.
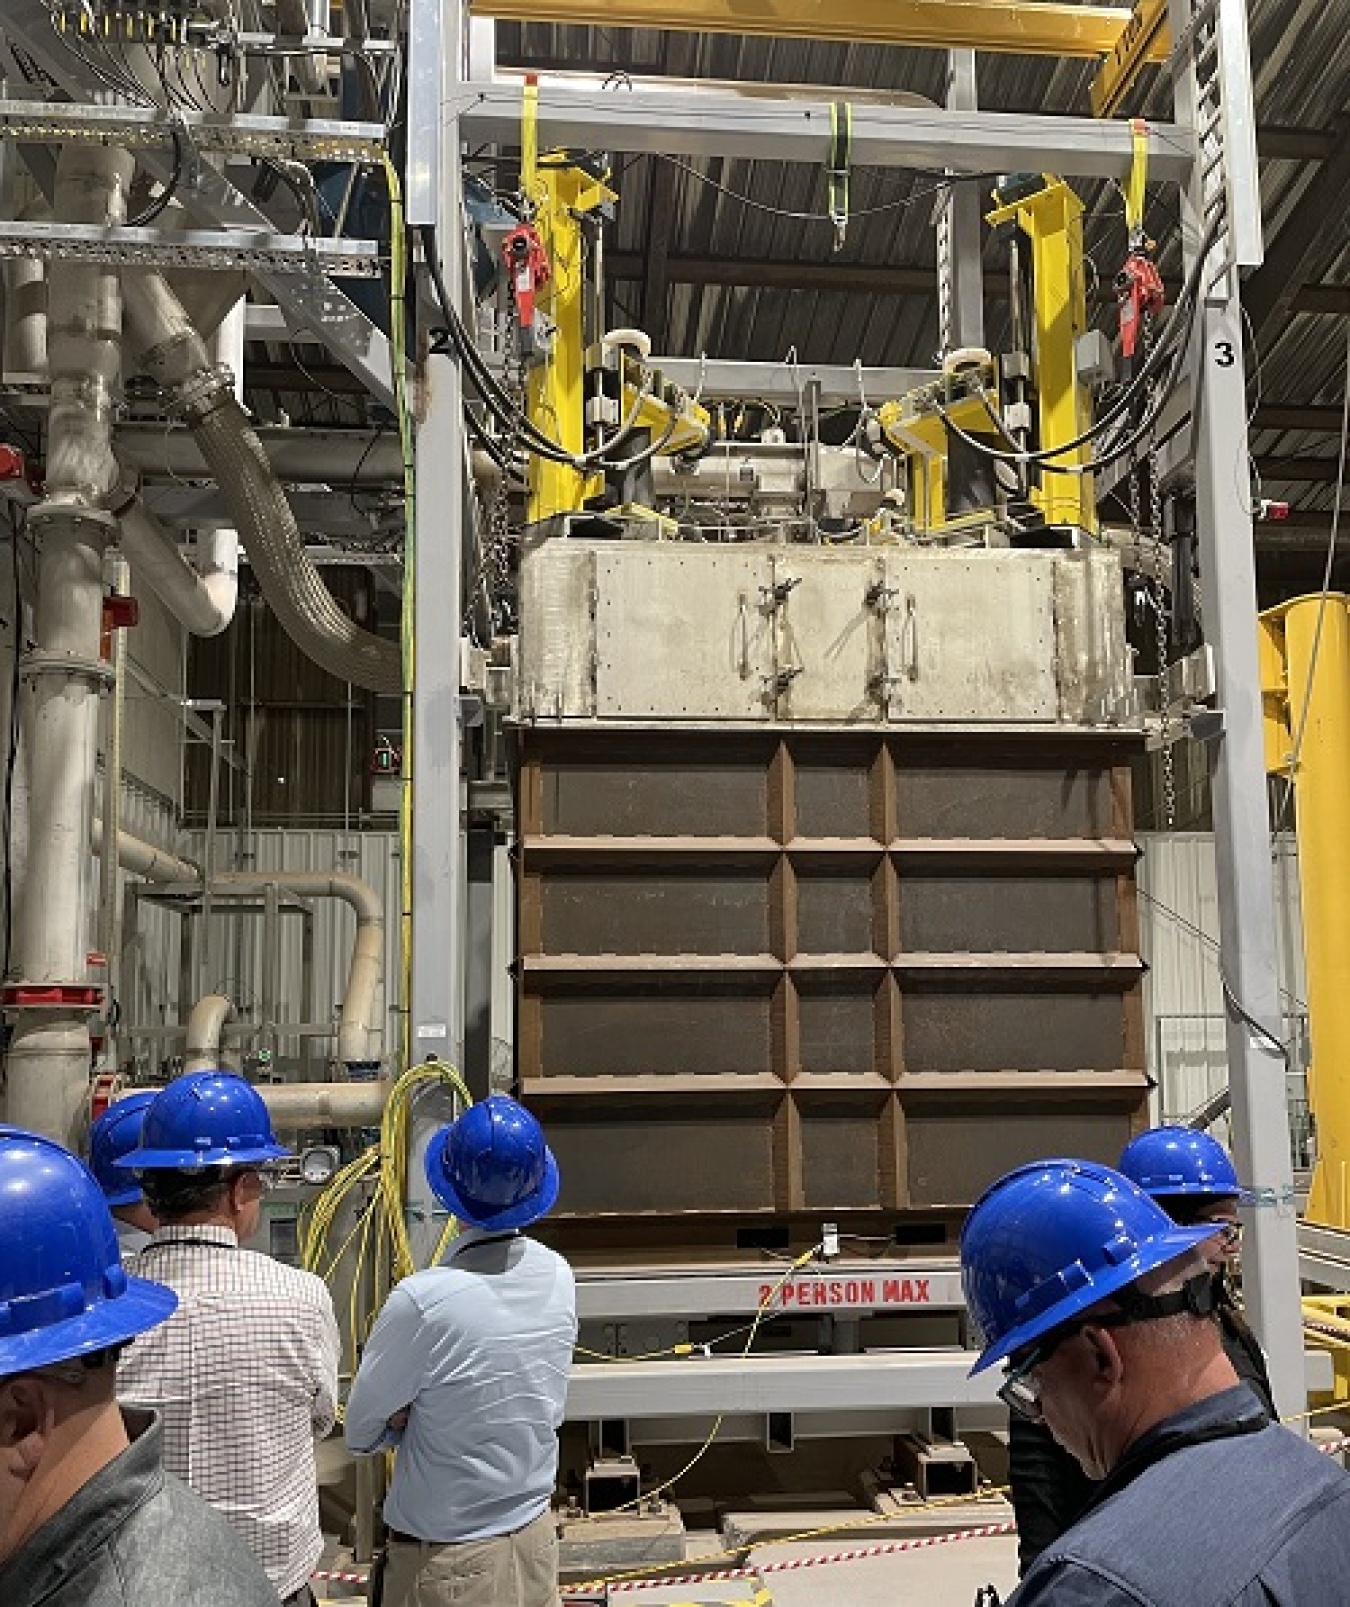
(1319, 708)
(48, 1068)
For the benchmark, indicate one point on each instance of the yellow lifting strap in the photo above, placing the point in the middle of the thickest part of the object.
(841, 160)
(529, 141)
(1134, 185)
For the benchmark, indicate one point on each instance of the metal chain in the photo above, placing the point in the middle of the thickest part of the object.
(1162, 596)
(498, 556)
(494, 561)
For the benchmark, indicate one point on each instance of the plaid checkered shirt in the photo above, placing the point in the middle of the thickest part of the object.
(244, 1375)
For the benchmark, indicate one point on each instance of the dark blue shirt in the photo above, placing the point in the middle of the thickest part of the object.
(1199, 1517)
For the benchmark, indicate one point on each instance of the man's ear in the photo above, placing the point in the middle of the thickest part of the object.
(27, 1417)
(1108, 1367)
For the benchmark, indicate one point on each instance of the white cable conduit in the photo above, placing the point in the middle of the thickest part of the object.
(63, 675)
(176, 357)
(356, 1018)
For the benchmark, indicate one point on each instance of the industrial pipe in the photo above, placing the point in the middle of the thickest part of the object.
(144, 859)
(325, 1104)
(202, 600)
(355, 1021)
(205, 1030)
(25, 316)
(356, 1018)
(348, 458)
(63, 675)
(176, 357)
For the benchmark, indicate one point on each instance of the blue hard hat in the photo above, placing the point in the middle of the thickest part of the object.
(116, 1131)
(492, 1167)
(1178, 1160)
(207, 1118)
(1049, 1240)
(63, 1292)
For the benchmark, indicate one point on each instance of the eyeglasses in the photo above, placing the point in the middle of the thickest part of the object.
(1020, 1391)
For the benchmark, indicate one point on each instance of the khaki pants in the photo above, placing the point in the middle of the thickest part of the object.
(509, 1570)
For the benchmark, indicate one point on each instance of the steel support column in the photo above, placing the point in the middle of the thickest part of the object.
(959, 230)
(1241, 826)
(436, 1004)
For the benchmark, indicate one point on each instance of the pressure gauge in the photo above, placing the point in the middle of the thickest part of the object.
(318, 1164)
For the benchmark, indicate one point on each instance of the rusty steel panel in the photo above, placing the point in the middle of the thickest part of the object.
(1032, 1029)
(957, 796)
(1020, 914)
(837, 1022)
(656, 911)
(954, 1157)
(836, 911)
(657, 1033)
(635, 791)
(841, 1156)
(769, 974)
(616, 1160)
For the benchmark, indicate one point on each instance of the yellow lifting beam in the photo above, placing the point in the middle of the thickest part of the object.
(555, 389)
(1052, 220)
(1014, 27)
(1312, 710)
(1135, 48)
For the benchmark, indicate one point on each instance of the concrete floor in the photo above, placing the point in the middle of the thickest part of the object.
(945, 1576)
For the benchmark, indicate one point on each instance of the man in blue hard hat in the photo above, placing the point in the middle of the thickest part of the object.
(245, 1372)
(466, 1372)
(1191, 1176)
(88, 1516)
(116, 1132)
(1102, 1311)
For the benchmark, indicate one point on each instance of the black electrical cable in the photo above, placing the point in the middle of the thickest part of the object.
(1179, 320)
(157, 206)
(508, 418)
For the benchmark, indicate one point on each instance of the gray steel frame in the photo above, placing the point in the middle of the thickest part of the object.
(717, 124)
(1241, 824)
(309, 299)
(721, 125)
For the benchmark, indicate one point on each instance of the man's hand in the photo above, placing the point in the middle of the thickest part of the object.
(399, 1421)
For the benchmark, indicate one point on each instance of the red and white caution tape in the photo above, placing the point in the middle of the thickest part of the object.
(336, 1576)
(792, 1564)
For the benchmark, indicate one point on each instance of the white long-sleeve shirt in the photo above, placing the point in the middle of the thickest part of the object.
(244, 1377)
(479, 1350)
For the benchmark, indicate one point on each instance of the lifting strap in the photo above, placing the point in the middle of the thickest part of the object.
(841, 158)
(1134, 185)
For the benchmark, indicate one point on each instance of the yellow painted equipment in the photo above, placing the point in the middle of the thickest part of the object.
(1029, 28)
(919, 434)
(1137, 45)
(1305, 692)
(555, 389)
(1052, 221)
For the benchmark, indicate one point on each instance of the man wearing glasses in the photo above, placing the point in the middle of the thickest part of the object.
(244, 1374)
(1102, 1311)
(1192, 1178)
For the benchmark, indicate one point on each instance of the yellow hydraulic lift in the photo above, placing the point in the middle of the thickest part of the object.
(1052, 221)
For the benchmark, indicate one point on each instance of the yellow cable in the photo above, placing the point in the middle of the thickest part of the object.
(398, 334)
